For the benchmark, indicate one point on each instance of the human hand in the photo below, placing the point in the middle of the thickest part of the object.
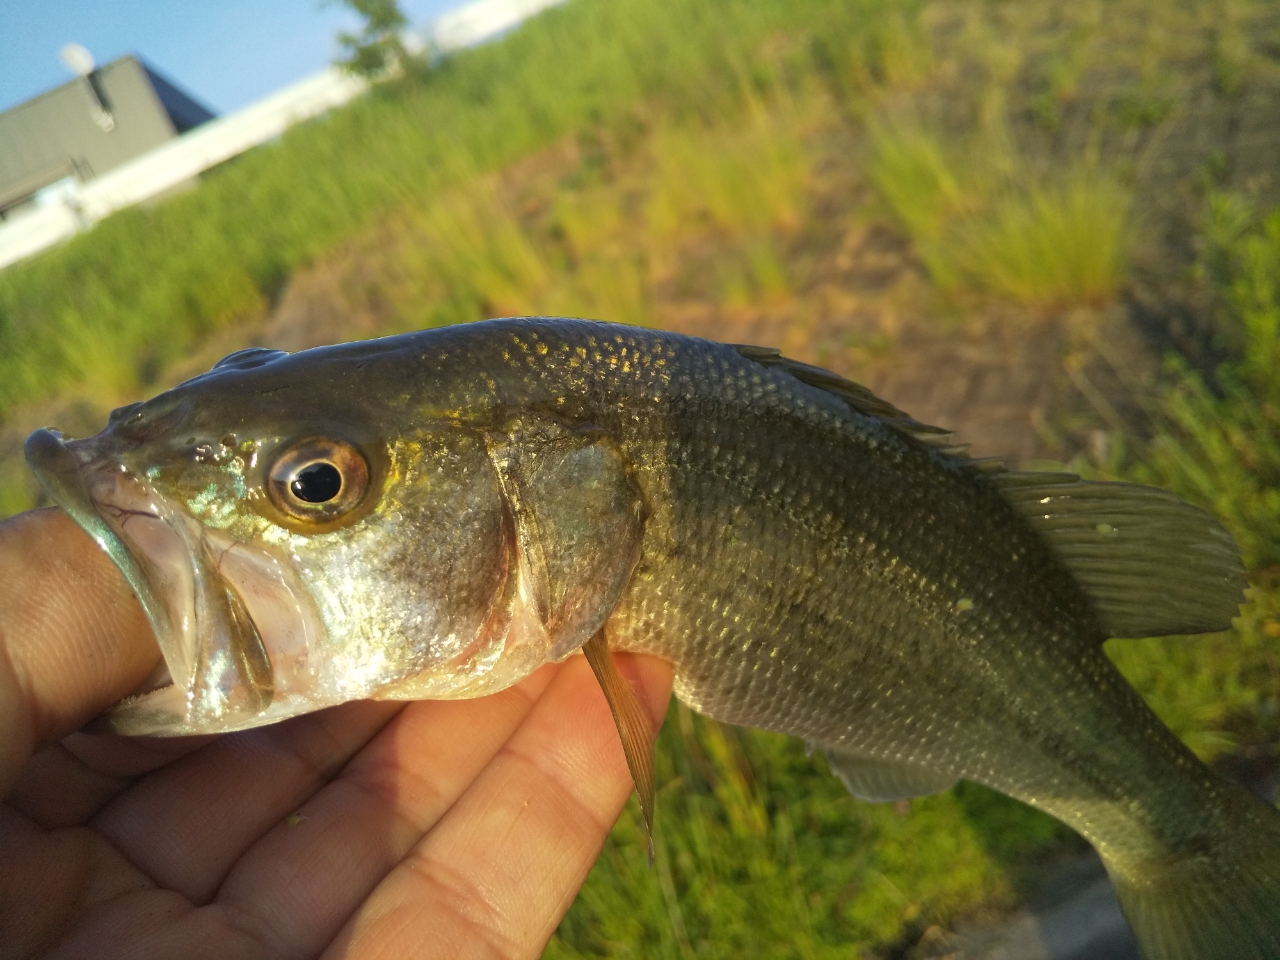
(435, 829)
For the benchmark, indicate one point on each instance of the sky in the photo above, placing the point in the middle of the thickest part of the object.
(224, 53)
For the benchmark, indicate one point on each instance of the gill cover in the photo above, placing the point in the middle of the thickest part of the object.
(574, 520)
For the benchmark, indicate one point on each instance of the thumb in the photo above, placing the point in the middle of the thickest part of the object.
(73, 639)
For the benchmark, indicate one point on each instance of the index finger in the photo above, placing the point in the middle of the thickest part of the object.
(494, 876)
(73, 638)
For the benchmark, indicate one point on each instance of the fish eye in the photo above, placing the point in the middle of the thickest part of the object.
(316, 483)
(317, 480)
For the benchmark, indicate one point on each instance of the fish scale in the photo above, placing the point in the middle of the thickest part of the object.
(811, 560)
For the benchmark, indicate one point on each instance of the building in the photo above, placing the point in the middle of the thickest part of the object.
(84, 128)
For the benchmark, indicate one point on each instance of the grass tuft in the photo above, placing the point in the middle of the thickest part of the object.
(1060, 245)
(983, 221)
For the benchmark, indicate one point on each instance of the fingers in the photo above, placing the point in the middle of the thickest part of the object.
(48, 878)
(56, 789)
(498, 872)
(303, 880)
(67, 783)
(559, 780)
(188, 822)
(73, 639)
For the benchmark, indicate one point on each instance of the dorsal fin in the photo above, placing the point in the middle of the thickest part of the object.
(1152, 564)
(859, 399)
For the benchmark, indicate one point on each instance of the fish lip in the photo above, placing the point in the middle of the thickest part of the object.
(209, 621)
(60, 472)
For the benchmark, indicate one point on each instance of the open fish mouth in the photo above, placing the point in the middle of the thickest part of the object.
(234, 626)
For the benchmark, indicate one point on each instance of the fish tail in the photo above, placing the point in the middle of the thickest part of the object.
(1221, 902)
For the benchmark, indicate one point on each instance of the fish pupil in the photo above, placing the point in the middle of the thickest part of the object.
(316, 483)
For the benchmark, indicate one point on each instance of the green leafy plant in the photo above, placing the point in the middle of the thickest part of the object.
(1218, 442)
(378, 49)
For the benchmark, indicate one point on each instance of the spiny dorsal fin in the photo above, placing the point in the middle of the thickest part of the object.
(881, 781)
(1152, 564)
(857, 396)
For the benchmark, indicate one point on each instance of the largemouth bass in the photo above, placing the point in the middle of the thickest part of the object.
(437, 514)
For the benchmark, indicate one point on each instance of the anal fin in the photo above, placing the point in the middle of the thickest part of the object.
(634, 729)
(882, 781)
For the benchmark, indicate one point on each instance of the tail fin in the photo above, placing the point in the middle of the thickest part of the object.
(1219, 904)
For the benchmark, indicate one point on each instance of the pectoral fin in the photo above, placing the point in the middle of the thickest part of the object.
(633, 725)
(882, 781)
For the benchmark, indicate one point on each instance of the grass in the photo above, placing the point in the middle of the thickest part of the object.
(1217, 441)
(628, 160)
(977, 178)
(760, 852)
(600, 243)
(984, 221)
(1062, 244)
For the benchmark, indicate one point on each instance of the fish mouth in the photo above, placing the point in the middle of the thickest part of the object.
(233, 625)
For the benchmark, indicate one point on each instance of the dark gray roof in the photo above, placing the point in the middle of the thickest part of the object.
(63, 132)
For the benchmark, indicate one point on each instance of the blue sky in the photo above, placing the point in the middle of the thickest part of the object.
(225, 53)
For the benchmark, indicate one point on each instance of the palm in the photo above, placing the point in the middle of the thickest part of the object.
(456, 829)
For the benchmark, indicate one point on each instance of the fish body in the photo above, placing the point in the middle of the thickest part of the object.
(438, 514)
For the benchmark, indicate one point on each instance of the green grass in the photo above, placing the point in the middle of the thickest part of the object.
(743, 181)
(760, 852)
(109, 311)
(600, 246)
(983, 220)
(1217, 441)
(1062, 244)
(1219, 693)
(1031, 134)
(976, 174)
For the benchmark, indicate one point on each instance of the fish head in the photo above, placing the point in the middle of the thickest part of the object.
(302, 532)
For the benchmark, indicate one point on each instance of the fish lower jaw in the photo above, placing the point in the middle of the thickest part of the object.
(165, 712)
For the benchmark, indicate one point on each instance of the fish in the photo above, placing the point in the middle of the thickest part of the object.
(437, 514)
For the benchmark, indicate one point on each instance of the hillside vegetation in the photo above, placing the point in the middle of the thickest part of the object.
(855, 181)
